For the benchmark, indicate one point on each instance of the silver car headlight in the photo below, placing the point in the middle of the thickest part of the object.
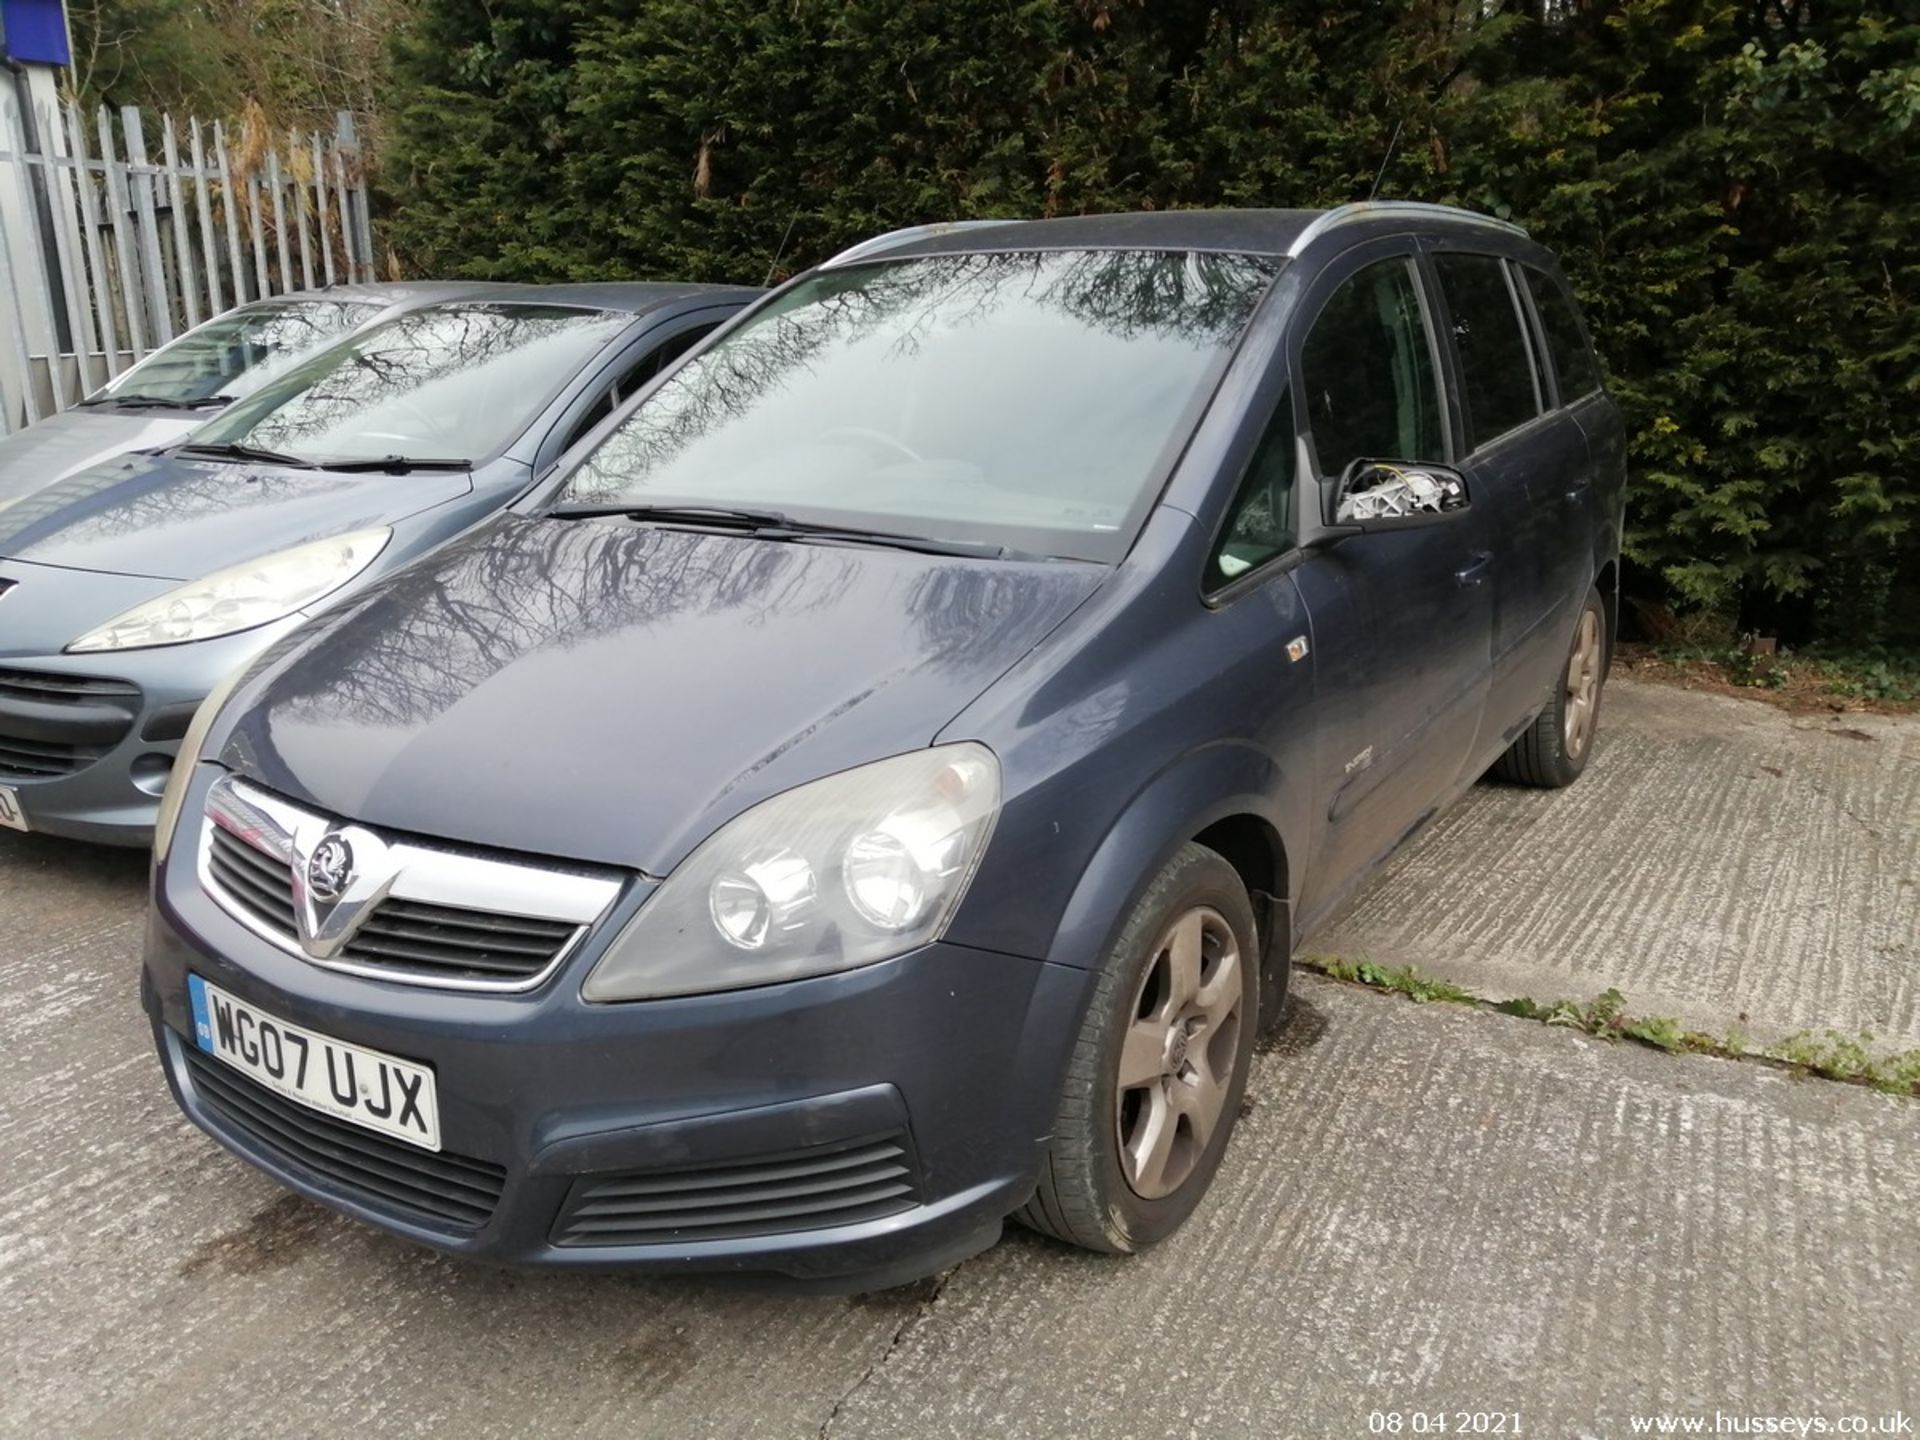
(256, 593)
(846, 871)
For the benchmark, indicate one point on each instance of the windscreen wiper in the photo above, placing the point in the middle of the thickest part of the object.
(157, 402)
(229, 451)
(719, 516)
(776, 525)
(394, 464)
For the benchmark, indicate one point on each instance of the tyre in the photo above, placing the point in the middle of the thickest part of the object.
(1553, 750)
(1154, 1083)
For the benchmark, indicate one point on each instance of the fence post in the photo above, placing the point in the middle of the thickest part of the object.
(261, 269)
(147, 222)
(66, 243)
(209, 252)
(300, 212)
(343, 201)
(230, 210)
(321, 208)
(38, 274)
(279, 220)
(102, 286)
(133, 282)
(30, 402)
(177, 208)
(348, 139)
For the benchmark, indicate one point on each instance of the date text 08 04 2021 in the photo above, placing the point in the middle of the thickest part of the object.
(1443, 1422)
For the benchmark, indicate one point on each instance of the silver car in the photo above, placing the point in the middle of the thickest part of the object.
(186, 382)
(129, 591)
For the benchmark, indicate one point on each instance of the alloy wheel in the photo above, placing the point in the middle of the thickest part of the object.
(1177, 1060)
(1583, 684)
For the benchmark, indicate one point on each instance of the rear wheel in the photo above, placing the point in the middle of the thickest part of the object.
(1155, 1080)
(1553, 751)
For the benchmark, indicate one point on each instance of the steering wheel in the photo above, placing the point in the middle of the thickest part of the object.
(877, 438)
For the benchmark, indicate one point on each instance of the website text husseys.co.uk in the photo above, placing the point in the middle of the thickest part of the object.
(1721, 1422)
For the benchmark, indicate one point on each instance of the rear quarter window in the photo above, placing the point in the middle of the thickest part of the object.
(1567, 347)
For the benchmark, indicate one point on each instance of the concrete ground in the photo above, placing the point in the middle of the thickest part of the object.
(1425, 1208)
(1722, 861)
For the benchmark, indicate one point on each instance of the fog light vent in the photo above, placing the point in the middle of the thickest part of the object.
(843, 1183)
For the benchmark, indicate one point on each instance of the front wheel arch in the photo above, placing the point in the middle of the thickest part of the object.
(1230, 795)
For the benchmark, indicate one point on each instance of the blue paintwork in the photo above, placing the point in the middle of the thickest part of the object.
(596, 691)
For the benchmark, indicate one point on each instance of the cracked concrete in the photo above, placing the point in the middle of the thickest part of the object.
(918, 1300)
(1722, 861)
(1424, 1207)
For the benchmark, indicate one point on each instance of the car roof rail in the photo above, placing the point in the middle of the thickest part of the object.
(1407, 209)
(894, 239)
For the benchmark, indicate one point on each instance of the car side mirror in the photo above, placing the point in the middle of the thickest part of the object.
(1397, 495)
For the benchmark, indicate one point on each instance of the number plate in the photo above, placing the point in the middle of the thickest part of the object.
(349, 1082)
(12, 817)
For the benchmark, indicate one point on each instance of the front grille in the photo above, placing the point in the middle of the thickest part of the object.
(439, 940)
(842, 1183)
(53, 725)
(408, 938)
(258, 883)
(447, 1191)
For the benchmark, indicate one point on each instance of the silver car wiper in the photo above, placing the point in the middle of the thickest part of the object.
(393, 464)
(156, 402)
(254, 453)
(776, 525)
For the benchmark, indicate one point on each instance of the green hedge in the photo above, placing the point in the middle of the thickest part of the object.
(1732, 186)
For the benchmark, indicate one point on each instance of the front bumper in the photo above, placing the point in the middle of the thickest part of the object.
(951, 1056)
(109, 725)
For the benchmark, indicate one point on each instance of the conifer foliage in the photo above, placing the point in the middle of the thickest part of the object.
(1733, 184)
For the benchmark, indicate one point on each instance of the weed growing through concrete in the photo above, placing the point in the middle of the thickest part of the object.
(1833, 1055)
(1401, 979)
(1843, 1058)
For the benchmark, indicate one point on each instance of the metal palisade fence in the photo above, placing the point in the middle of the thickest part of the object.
(118, 233)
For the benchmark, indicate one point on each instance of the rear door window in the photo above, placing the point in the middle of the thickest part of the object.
(1489, 331)
(1573, 362)
(1367, 368)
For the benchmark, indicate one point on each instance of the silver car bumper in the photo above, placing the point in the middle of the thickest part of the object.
(87, 741)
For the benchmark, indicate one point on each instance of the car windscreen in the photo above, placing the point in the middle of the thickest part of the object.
(1030, 399)
(241, 351)
(450, 382)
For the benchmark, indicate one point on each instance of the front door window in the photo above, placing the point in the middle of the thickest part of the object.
(1368, 370)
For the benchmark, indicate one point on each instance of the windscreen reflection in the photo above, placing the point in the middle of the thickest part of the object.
(241, 351)
(446, 382)
(1026, 398)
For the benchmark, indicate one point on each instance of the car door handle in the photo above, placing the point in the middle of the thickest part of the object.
(1477, 568)
(1577, 493)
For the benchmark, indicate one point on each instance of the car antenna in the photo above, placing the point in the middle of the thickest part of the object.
(1386, 159)
(775, 263)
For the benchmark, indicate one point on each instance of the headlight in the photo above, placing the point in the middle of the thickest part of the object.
(847, 871)
(256, 593)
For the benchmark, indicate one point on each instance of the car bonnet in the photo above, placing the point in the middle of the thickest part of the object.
(609, 692)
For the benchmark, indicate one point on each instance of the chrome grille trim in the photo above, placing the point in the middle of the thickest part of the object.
(278, 833)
